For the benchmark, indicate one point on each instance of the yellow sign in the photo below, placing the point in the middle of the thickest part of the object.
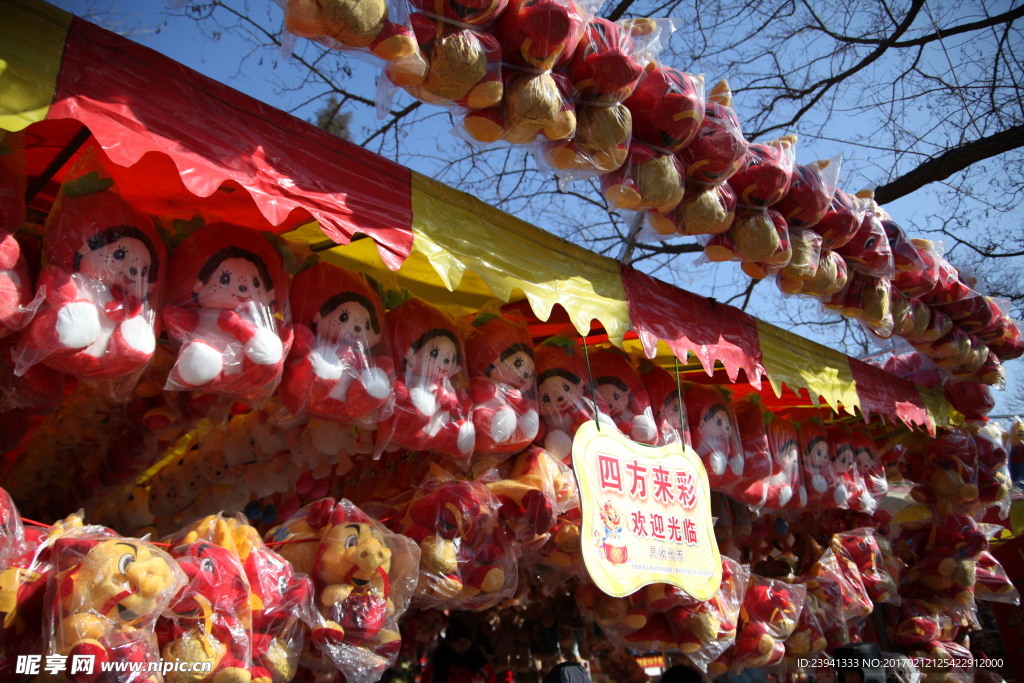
(646, 514)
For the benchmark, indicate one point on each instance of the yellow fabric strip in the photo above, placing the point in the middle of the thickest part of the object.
(32, 36)
(459, 235)
(802, 364)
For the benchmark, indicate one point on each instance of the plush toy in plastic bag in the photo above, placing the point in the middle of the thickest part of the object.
(869, 464)
(946, 472)
(432, 402)
(18, 302)
(716, 438)
(703, 211)
(463, 59)
(280, 600)
(364, 577)
(624, 393)
(717, 151)
(784, 486)
(667, 107)
(847, 472)
(757, 457)
(466, 559)
(649, 179)
(535, 491)
(102, 275)
(755, 235)
(228, 308)
(12, 532)
(808, 638)
(767, 618)
(823, 486)
(340, 368)
(503, 384)
(842, 220)
(805, 256)
(105, 598)
(566, 395)
(860, 546)
(208, 620)
(868, 251)
(666, 394)
(810, 193)
(706, 630)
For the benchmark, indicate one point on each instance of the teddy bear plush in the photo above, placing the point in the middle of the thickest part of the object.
(363, 575)
(666, 394)
(107, 593)
(463, 59)
(503, 384)
(228, 309)
(432, 401)
(566, 397)
(208, 620)
(716, 438)
(102, 277)
(625, 394)
(340, 367)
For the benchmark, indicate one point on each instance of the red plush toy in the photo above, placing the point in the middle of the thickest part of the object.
(757, 457)
(666, 394)
(847, 473)
(716, 438)
(868, 251)
(824, 488)
(565, 396)
(625, 395)
(463, 60)
(102, 278)
(841, 221)
(861, 547)
(810, 193)
(228, 308)
(869, 464)
(503, 383)
(340, 368)
(208, 620)
(432, 402)
(784, 487)
(667, 107)
(17, 305)
(766, 173)
(767, 618)
(705, 630)
(717, 152)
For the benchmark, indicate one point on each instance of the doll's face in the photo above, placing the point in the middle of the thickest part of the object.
(233, 284)
(125, 262)
(864, 458)
(517, 369)
(788, 453)
(617, 398)
(843, 457)
(817, 454)
(716, 429)
(121, 580)
(350, 323)
(438, 358)
(557, 394)
(355, 554)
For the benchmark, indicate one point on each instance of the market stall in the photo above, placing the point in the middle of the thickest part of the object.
(370, 379)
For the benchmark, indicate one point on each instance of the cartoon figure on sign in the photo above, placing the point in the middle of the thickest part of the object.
(609, 538)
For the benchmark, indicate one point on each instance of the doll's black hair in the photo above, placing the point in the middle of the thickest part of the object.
(714, 409)
(614, 381)
(231, 252)
(558, 372)
(814, 442)
(509, 351)
(345, 297)
(115, 233)
(434, 334)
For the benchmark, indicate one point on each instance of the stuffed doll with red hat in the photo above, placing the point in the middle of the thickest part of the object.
(758, 465)
(861, 547)
(364, 576)
(565, 394)
(716, 438)
(625, 394)
(340, 368)
(102, 275)
(869, 464)
(463, 59)
(107, 593)
(768, 616)
(666, 394)
(503, 384)
(824, 488)
(847, 472)
(783, 488)
(432, 402)
(228, 308)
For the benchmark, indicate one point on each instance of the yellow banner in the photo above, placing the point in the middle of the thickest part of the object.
(32, 38)
(646, 515)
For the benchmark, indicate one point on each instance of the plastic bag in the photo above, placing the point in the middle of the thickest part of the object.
(766, 173)
(105, 597)
(503, 384)
(861, 547)
(754, 235)
(831, 277)
(808, 638)
(706, 630)
(847, 471)
(993, 584)
(810, 193)
(340, 368)
(869, 464)
(649, 179)
(102, 275)
(784, 487)
(534, 490)
(432, 401)
(768, 617)
(993, 468)
(228, 308)
(868, 251)
(783, 254)
(842, 220)
(716, 439)
(803, 264)
(18, 299)
(757, 457)
(704, 210)
(667, 107)
(855, 603)
(666, 394)
(12, 532)
(364, 576)
(566, 395)
(717, 151)
(624, 393)
(823, 486)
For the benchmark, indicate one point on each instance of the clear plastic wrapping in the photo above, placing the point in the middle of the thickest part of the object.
(842, 220)
(810, 193)
(861, 547)
(757, 456)
(805, 247)
(717, 151)
(704, 210)
(228, 307)
(666, 394)
(364, 576)
(340, 368)
(18, 299)
(624, 393)
(824, 487)
(768, 617)
(667, 107)
(706, 630)
(533, 492)
(716, 438)
(766, 173)
(755, 235)
(103, 274)
(432, 401)
(785, 486)
(650, 179)
(868, 251)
